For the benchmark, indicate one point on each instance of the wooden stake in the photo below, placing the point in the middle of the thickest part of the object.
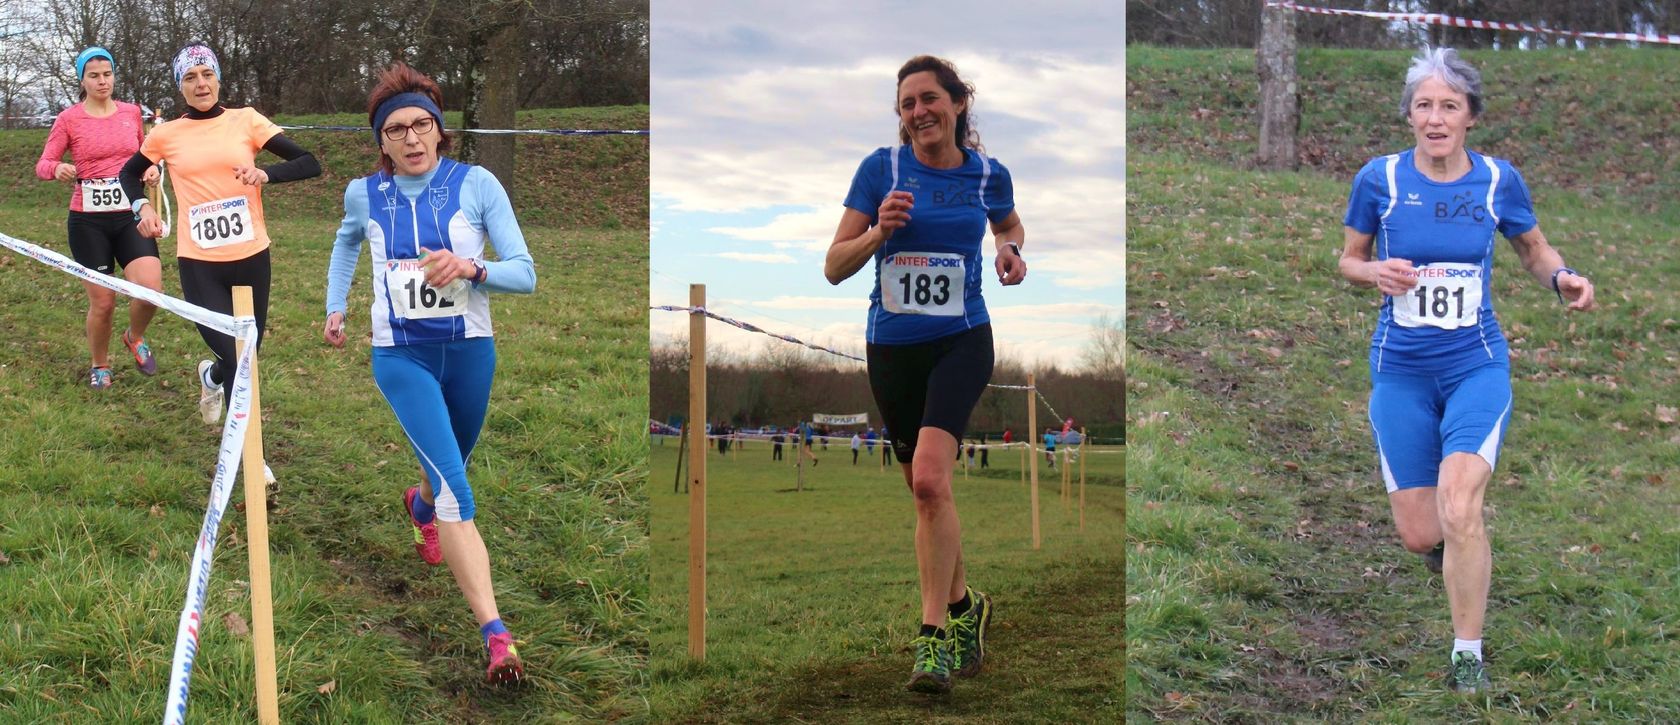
(256, 535)
(697, 474)
(1032, 457)
(1083, 454)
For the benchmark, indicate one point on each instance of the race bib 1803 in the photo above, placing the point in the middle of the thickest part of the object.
(221, 222)
(923, 283)
(102, 195)
(1448, 295)
(413, 299)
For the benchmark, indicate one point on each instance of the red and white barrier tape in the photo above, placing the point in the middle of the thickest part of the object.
(1439, 19)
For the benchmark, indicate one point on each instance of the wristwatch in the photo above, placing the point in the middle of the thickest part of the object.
(1015, 247)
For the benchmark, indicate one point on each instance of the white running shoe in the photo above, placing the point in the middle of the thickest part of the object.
(209, 394)
(268, 474)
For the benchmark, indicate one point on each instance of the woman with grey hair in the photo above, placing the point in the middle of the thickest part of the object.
(1420, 227)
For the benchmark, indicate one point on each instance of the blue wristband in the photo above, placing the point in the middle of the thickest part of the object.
(1561, 270)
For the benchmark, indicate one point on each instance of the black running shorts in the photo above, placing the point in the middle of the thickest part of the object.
(99, 240)
(930, 384)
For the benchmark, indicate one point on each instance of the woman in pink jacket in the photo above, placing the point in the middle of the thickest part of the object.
(101, 133)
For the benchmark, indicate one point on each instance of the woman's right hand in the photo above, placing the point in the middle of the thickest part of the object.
(65, 172)
(1395, 276)
(333, 332)
(150, 226)
(894, 213)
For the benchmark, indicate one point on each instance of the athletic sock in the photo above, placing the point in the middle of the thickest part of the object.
(423, 512)
(931, 630)
(959, 607)
(494, 627)
(1473, 646)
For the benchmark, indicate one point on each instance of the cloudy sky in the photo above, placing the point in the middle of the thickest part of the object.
(763, 110)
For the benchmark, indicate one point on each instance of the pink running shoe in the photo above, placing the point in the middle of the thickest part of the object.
(504, 660)
(425, 535)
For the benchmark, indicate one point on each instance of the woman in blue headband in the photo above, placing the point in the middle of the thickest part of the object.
(426, 219)
(101, 133)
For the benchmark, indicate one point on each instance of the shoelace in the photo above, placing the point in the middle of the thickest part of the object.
(958, 627)
(927, 652)
(1465, 670)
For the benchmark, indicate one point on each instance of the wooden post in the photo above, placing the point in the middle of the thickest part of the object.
(1032, 453)
(677, 484)
(1280, 99)
(697, 474)
(1083, 454)
(256, 535)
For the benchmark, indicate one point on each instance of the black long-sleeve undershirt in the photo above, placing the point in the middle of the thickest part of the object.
(297, 164)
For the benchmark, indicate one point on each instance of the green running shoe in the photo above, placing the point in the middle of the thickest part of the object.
(1468, 675)
(968, 634)
(932, 673)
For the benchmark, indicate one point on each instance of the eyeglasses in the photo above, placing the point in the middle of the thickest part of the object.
(398, 132)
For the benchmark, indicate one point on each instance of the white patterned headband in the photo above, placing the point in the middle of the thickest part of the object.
(196, 54)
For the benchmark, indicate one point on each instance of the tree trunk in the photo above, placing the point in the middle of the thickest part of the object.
(1280, 99)
(493, 97)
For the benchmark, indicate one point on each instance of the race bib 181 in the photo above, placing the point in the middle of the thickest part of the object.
(103, 195)
(413, 299)
(1448, 295)
(221, 222)
(923, 283)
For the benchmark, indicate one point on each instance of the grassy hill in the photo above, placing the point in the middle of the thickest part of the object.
(1265, 582)
(102, 494)
(565, 182)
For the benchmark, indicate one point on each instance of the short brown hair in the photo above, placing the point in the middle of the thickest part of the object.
(396, 78)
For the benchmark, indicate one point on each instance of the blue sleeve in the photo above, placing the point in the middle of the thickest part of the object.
(347, 246)
(869, 185)
(1516, 209)
(1364, 210)
(488, 201)
(1000, 194)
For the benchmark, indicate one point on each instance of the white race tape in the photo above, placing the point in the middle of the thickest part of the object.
(227, 464)
(227, 324)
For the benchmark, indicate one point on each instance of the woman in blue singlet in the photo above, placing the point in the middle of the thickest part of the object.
(426, 219)
(1420, 227)
(920, 211)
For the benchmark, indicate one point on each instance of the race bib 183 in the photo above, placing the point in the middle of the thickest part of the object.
(1448, 295)
(221, 222)
(103, 195)
(413, 299)
(923, 283)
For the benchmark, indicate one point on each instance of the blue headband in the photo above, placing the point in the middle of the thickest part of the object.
(90, 54)
(404, 100)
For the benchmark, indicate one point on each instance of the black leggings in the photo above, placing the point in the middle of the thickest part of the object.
(932, 384)
(210, 285)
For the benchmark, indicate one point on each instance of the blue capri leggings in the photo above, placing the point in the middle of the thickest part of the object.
(1417, 420)
(440, 392)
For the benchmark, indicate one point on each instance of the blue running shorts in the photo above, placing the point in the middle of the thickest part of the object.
(1417, 420)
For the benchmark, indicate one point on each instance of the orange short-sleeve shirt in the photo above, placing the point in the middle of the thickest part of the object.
(217, 218)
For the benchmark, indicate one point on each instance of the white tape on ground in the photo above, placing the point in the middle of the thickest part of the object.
(221, 487)
(227, 462)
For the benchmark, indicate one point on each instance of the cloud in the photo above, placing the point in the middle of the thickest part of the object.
(806, 230)
(759, 258)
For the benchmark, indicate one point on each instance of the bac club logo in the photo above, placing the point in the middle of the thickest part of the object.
(1463, 209)
(956, 194)
(439, 198)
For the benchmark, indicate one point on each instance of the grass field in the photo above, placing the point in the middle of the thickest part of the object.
(1265, 582)
(813, 599)
(103, 494)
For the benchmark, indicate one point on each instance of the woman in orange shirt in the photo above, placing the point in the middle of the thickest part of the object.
(221, 240)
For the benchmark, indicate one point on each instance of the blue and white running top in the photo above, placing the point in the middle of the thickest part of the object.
(1446, 229)
(455, 207)
(927, 276)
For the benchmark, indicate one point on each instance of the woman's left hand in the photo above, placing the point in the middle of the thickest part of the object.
(250, 175)
(443, 267)
(1011, 268)
(1577, 290)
